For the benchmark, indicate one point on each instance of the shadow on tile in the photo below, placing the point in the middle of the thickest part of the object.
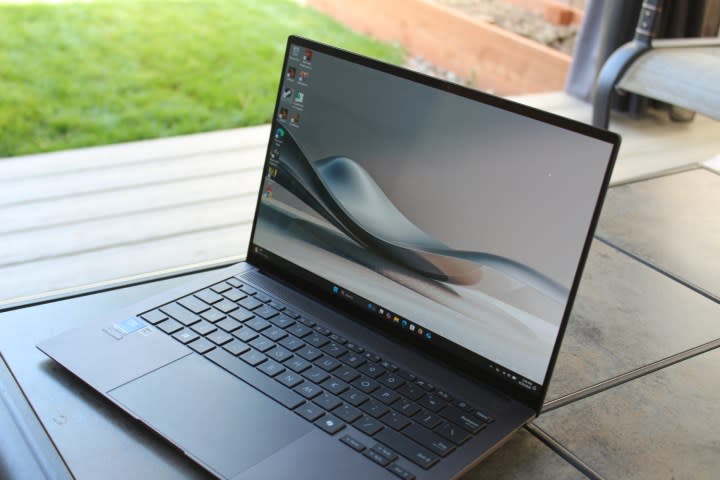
(625, 316)
(663, 425)
(524, 457)
(672, 222)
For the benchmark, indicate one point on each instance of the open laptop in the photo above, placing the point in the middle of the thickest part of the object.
(415, 253)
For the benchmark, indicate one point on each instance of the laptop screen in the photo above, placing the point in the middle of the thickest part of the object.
(458, 222)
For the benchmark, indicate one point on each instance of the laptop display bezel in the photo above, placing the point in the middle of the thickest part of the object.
(297, 277)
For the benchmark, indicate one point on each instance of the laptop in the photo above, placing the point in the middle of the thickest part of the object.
(414, 256)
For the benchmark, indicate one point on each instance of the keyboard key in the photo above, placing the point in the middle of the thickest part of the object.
(354, 397)
(194, 304)
(262, 297)
(297, 364)
(389, 366)
(453, 433)
(236, 347)
(253, 357)
(250, 303)
(386, 395)
(277, 305)
(428, 439)
(395, 420)
(258, 324)
(266, 311)
(353, 359)
(316, 375)
(271, 368)
(220, 287)
(327, 363)
(316, 340)
(309, 353)
(289, 379)
(376, 457)
(248, 289)
(242, 315)
(229, 325)
(372, 357)
(226, 306)
(462, 418)
(245, 334)
(201, 345)
(170, 326)
(268, 386)
(322, 330)
(391, 380)
(428, 419)
(372, 370)
(213, 315)
(354, 347)
(334, 349)
(185, 336)
(411, 391)
(203, 327)
(352, 443)
(327, 401)
(181, 314)
(309, 411)
(368, 425)
(365, 384)
(282, 321)
(305, 321)
(234, 295)
(234, 282)
(291, 343)
(292, 313)
(347, 413)
(262, 344)
(384, 451)
(432, 403)
(279, 354)
(407, 448)
(338, 339)
(275, 333)
(428, 387)
(218, 337)
(444, 395)
(410, 377)
(308, 390)
(299, 330)
(400, 472)
(463, 405)
(208, 296)
(335, 386)
(374, 408)
(406, 407)
(484, 417)
(346, 374)
(154, 316)
(330, 424)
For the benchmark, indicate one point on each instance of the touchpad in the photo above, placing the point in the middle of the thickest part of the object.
(214, 416)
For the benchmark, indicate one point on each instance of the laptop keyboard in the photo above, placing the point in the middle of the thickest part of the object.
(320, 375)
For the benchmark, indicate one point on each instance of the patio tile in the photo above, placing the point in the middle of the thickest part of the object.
(627, 315)
(524, 456)
(672, 222)
(663, 425)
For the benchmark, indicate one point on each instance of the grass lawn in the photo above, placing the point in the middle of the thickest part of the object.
(82, 74)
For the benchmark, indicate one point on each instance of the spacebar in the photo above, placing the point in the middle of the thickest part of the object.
(248, 374)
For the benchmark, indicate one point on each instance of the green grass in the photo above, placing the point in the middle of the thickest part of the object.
(74, 75)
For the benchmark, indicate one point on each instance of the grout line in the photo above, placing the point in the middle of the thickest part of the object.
(124, 244)
(651, 176)
(191, 178)
(628, 376)
(670, 275)
(561, 450)
(126, 213)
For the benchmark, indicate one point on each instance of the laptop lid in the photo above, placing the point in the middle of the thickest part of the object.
(451, 219)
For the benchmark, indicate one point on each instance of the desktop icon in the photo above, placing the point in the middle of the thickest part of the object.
(428, 335)
(280, 132)
(335, 289)
(307, 55)
(287, 92)
(304, 75)
(295, 118)
(283, 114)
(404, 323)
(299, 96)
(291, 72)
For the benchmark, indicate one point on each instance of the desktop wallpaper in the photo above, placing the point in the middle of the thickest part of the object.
(464, 218)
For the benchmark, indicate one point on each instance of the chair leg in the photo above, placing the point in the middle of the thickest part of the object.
(613, 69)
